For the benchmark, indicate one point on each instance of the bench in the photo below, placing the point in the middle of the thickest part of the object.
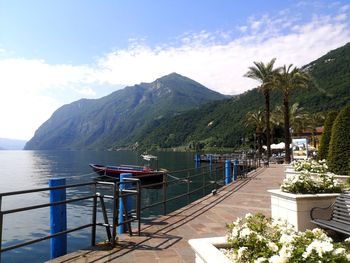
(339, 220)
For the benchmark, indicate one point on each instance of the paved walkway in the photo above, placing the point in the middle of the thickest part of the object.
(165, 239)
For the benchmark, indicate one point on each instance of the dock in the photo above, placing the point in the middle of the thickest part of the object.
(165, 239)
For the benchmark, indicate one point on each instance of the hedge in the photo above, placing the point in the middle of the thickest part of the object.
(339, 146)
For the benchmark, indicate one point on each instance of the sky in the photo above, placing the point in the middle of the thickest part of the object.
(55, 52)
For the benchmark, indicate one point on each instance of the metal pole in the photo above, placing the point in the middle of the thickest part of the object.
(227, 171)
(188, 187)
(94, 211)
(235, 169)
(1, 222)
(115, 212)
(138, 208)
(165, 193)
(127, 206)
(58, 219)
(204, 180)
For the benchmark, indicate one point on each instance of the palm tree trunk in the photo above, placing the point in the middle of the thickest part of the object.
(286, 127)
(267, 122)
(258, 135)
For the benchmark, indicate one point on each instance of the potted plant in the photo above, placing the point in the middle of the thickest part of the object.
(256, 238)
(299, 193)
(315, 168)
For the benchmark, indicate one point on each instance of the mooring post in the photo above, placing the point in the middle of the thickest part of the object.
(127, 201)
(58, 218)
(235, 169)
(227, 171)
(197, 159)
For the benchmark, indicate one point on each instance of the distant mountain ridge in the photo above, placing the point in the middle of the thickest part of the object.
(176, 111)
(112, 120)
(11, 144)
(220, 124)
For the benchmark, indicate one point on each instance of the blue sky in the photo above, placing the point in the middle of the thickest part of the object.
(55, 52)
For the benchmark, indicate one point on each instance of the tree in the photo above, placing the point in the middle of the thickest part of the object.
(314, 120)
(339, 146)
(287, 80)
(256, 120)
(326, 136)
(265, 74)
(297, 118)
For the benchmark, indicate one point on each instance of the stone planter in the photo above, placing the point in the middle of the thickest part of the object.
(295, 208)
(207, 249)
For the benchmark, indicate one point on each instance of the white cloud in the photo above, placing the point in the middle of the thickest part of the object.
(32, 89)
(222, 66)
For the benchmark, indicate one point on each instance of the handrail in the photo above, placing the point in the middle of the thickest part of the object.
(116, 195)
(186, 176)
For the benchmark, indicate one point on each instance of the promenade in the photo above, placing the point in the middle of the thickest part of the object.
(165, 239)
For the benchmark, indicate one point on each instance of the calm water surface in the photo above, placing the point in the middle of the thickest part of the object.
(31, 169)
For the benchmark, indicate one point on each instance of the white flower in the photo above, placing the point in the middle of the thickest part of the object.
(347, 240)
(339, 251)
(245, 232)
(273, 246)
(275, 259)
(260, 260)
(241, 251)
(249, 215)
(285, 253)
(320, 247)
(286, 238)
(234, 232)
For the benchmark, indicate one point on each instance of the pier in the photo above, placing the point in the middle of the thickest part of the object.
(165, 239)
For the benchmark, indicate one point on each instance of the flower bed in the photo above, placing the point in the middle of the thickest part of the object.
(256, 238)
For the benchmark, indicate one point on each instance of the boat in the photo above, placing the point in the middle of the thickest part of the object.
(149, 157)
(146, 174)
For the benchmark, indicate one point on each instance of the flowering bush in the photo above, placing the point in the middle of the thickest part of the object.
(304, 183)
(258, 239)
(310, 165)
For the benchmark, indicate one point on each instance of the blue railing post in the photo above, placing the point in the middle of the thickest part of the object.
(121, 229)
(58, 219)
(235, 169)
(227, 171)
(197, 159)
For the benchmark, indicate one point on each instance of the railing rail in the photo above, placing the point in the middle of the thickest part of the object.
(116, 195)
(204, 176)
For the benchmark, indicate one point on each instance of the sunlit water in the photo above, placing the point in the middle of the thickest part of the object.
(21, 170)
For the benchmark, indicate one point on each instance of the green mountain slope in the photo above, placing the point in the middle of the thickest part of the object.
(220, 123)
(113, 120)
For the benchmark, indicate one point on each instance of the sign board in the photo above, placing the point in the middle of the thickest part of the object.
(299, 148)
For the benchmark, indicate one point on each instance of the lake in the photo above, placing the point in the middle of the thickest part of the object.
(21, 170)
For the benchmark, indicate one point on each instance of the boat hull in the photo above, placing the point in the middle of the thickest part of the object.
(146, 175)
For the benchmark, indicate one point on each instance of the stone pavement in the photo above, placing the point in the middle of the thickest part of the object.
(165, 239)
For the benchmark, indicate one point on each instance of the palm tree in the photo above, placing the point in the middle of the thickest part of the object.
(265, 74)
(256, 120)
(287, 80)
(315, 120)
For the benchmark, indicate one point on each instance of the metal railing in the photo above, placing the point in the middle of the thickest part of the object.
(117, 194)
(203, 177)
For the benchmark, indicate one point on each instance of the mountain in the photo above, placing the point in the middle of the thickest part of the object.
(219, 124)
(176, 111)
(113, 120)
(11, 144)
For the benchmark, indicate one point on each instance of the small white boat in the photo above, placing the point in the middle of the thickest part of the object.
(149, 157)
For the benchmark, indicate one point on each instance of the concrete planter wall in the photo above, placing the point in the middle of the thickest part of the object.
(295, 208)
(207, 249)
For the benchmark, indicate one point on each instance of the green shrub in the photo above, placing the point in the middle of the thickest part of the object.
(339, 146)
(326, 136)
